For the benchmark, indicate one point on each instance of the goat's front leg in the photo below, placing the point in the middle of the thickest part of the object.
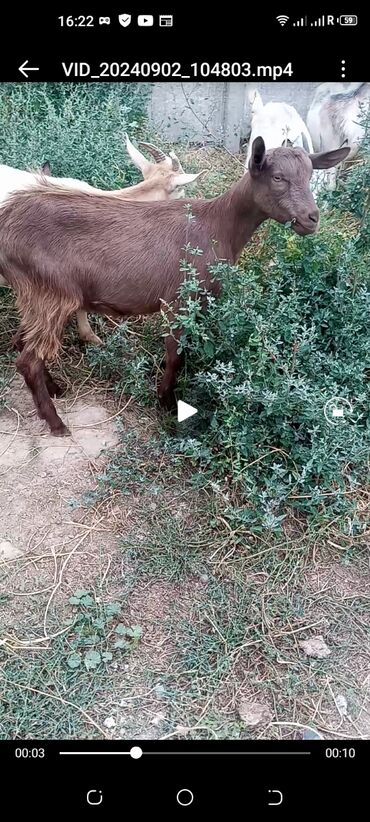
(173, 363)
(85, 331)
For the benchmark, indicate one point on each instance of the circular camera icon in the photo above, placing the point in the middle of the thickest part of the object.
(337, 410)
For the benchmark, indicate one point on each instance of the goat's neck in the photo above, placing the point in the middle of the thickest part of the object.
(239, 206)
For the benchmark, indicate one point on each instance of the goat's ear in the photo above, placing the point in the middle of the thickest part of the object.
(45, 168)
(257, 157)
(137, 157)
(328, 159)
(255, 100)
(184, 179)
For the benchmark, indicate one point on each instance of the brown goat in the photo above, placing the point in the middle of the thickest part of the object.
(164, 179)
(66, 250)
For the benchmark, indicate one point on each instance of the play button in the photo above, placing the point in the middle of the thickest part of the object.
(184, 411)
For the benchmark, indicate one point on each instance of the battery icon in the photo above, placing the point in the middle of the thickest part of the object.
(348, 20)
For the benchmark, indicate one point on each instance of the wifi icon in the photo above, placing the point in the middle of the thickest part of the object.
(282, 19)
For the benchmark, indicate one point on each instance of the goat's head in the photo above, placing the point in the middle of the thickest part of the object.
(278, 123)
(166, 169)
(275, 133)
(281, 183)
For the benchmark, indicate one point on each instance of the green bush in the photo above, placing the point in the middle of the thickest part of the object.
(284, 338)
(130, 358)
(262, 363)
(78, 128)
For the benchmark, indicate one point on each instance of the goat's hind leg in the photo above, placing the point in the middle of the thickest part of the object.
(53, 388)
(36, 377)
(85, 331)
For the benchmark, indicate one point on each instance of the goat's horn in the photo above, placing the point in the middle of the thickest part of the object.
(176, 166)
(157, 153)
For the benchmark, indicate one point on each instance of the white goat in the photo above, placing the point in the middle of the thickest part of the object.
(334, 119)
(279, 124)
(163, 180)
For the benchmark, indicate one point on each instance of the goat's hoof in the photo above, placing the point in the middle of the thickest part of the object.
(92, 338)
(61, 431)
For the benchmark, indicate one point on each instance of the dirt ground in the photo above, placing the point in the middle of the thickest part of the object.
(43, 522)
(53, 543)
(40, 477)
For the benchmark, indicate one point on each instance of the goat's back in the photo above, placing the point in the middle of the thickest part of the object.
(109, 254)
(334, 114)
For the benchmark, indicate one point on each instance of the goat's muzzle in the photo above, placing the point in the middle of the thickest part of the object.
(308, 226)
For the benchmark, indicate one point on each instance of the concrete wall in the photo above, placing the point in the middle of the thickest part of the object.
(217, 112)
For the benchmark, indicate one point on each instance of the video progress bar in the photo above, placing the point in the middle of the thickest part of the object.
(185, 753)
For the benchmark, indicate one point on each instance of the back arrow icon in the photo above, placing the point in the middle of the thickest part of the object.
(24, 68)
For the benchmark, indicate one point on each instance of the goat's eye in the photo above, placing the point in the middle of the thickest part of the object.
(277, 178)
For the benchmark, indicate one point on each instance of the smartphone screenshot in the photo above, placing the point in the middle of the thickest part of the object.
(184, 410)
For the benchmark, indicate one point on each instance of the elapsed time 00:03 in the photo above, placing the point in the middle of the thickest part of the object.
(29, 753)
(340, 753)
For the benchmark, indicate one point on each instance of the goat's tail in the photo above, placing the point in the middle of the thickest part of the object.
(44, 314)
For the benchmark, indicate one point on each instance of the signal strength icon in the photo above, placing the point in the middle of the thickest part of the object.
(319, 22)
(282, 19)
(301, 22)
